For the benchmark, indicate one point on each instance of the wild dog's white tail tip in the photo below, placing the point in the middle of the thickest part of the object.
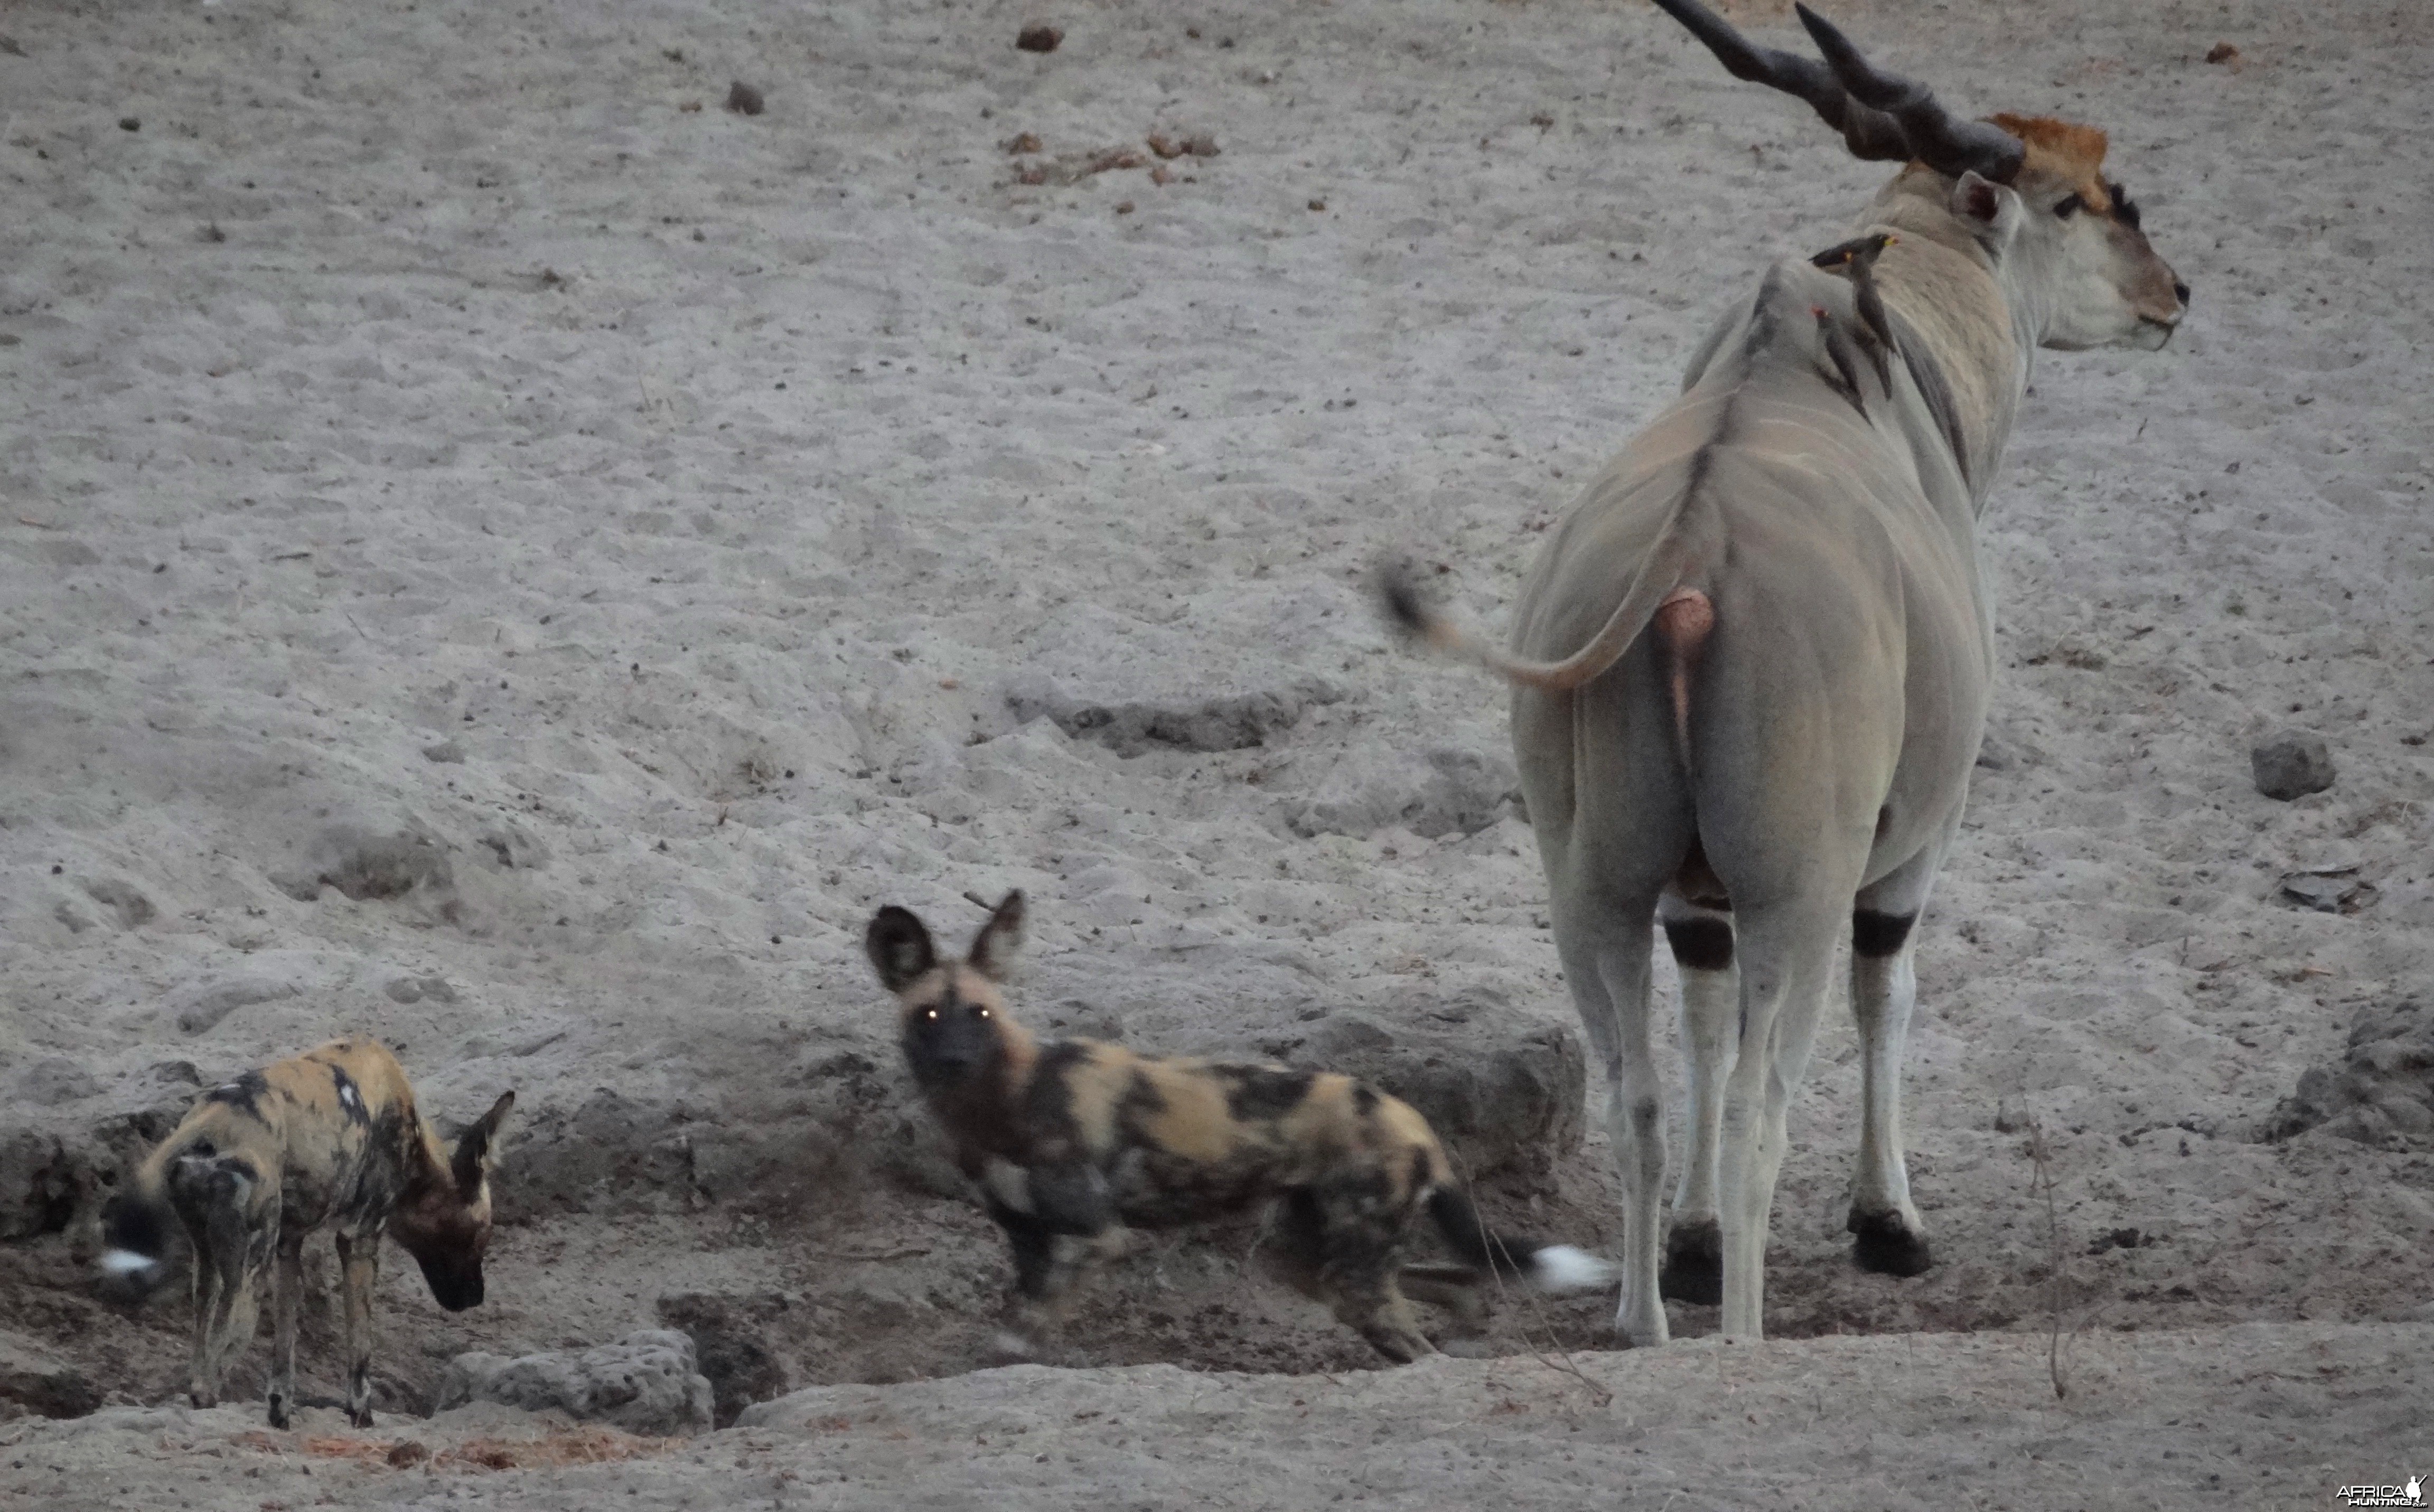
(1564, 1268)
(126, 1263)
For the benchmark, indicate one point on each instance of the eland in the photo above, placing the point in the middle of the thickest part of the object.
(1751, 669)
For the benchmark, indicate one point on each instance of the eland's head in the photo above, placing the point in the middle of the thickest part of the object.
(2029, 191)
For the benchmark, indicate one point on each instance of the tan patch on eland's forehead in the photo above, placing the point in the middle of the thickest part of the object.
(2062, 150)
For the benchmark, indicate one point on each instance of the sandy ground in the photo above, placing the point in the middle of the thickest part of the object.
(2254, 1415)
(417, 421)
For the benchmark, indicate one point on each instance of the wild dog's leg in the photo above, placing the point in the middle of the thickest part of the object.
(204, 1287)
(1048, 1263)
(1366, 1229)
(1293, 1249)
(1787, 957)
(1071, 1200)
(1891, 1237)
(1702, 941)
(231, 1248)
(1606, 945)
(290, 1284)
(359, 1272)
(1455, 1288)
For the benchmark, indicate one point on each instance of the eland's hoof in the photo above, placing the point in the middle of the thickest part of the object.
(1694, 1265)
(1887, 1246)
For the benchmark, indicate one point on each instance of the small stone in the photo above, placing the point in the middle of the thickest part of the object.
(135, 909)
(448, 752)
(1039, 38)
(1022, 142)
(1318, 204)
(744, 99)
(56, 1079)
(406, 1451)
(2223, 52)
(128, 123)
(2290, 763)
(200, 1009)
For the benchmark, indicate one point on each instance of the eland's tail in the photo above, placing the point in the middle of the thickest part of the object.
(1653, 593)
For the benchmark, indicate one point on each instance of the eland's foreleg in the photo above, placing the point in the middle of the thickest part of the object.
(1701, 942)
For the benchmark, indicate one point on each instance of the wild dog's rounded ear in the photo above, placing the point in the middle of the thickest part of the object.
(472, 1159)
(1990, 210)
(899, 948)
(993, 948)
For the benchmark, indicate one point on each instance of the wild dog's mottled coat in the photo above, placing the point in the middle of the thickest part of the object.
(330, 1137)
(1072, 1140)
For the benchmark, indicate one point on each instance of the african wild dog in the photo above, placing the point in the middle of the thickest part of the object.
(328, 1137)
(1069, 1141)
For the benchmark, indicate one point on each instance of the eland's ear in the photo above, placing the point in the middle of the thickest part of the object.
(899, 948)
(1990, 210)
(472, 1159)
(994, 948)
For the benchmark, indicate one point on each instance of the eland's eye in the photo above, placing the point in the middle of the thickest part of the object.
(2068, 206)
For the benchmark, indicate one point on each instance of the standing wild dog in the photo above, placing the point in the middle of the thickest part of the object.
(1069, 1142)
(329, 1137)
(1751, 667)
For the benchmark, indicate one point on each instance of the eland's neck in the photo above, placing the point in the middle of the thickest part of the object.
(1979, 326)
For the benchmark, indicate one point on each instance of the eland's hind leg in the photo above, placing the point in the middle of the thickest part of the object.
(1701, 942)
(1888, 1235)
(1787, 957)
(1606, 946)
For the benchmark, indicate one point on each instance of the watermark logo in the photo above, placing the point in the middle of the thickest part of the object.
(2408, 1493)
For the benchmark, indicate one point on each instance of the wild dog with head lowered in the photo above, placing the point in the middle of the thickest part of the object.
(1069, 1141)
(330, 1137)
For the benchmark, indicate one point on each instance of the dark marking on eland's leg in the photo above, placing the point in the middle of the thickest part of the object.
(1885, 1245)
(1879, 934)
(1694, 1264)
(1699, 944)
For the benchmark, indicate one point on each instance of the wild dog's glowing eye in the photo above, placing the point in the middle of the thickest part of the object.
(984, 1013)
(934, 1013)
(2068, 206)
